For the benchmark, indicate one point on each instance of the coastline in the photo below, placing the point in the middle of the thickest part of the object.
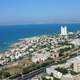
(19, 41)
(18, 33)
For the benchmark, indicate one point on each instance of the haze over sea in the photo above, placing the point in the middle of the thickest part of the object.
(11, 34)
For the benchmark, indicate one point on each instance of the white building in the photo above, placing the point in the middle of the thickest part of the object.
(63, 30)
(2, 62)
(76, 63)
(54, 72)
(67, 77)
(76, 42)
(40, 57)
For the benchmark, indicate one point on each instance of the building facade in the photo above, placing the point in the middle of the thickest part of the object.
(63, 30)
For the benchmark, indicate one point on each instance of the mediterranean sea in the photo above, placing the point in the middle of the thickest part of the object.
(11, 34)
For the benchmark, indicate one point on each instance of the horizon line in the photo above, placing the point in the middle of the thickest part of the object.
(38, 23)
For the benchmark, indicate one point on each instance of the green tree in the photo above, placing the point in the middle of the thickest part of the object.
(6, 74)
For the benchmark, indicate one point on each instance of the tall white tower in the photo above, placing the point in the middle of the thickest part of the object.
(63, 30)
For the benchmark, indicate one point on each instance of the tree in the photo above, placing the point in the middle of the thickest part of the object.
(71, 66)
(45, 78)
(62, 70)
(51, 74)
(56, 78)
(14, 76)
(6, 74)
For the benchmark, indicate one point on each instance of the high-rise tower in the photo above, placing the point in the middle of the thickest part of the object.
(63, 30)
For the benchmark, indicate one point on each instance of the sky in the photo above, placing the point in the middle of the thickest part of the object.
(39, 11)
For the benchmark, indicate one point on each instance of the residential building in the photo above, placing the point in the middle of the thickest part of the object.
(76, 42)
(55, 73)
(40, 57)
(67, 77)
(76, 63)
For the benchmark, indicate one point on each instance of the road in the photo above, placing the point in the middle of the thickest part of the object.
(32, 74)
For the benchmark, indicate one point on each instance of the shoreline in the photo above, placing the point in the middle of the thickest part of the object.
(4, 53)
(22, 39)
(24, 32)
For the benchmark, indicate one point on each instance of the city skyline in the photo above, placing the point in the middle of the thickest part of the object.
(39, 12)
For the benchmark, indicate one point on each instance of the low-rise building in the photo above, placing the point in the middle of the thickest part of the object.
(40, 57)
(67, 77)
(55, 73)
(2, 62)
(76, 63)
(76, 42)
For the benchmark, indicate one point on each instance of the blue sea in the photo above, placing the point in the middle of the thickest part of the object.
(12, 33)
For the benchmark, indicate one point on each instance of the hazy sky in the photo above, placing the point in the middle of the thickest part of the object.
(39, 11)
